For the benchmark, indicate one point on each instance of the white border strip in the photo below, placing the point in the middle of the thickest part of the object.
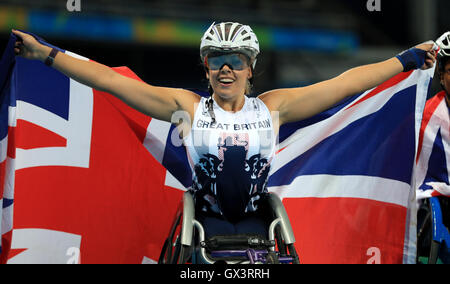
(410, 239)
(328, 186)
(156, 138)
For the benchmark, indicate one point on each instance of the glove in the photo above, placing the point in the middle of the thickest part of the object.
(413, 58)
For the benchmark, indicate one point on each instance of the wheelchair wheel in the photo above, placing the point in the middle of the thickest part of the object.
(272, 258)
(280, 244)
(172, 247)
(427, 247)
(181, 253)
(173, 252)
(424, 234)
(294, 254)
(434, 252)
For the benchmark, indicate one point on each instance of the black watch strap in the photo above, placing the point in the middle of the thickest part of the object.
(51, 57)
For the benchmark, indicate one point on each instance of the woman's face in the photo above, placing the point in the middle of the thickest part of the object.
(229, 81)
(445, 78)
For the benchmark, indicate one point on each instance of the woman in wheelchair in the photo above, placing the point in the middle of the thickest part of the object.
(231, 137)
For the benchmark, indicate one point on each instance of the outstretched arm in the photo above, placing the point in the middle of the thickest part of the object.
(157, 102)
(299, 103)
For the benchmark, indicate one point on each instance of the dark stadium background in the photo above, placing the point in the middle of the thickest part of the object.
(380, 34)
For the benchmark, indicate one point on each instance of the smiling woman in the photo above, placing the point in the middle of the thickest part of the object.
(229, 51)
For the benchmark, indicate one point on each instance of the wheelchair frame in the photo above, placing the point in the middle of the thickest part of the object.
(178, 248)
(433, 224)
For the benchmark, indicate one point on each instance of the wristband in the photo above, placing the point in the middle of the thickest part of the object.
(51, 57)
(412, 58)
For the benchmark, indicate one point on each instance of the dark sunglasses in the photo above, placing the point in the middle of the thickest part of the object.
(233, 60)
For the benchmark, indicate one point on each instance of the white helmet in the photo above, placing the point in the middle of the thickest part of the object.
(230, 37)
(444, 49)
(444, 44)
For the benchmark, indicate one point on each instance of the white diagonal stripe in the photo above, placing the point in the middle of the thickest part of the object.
(327, 186)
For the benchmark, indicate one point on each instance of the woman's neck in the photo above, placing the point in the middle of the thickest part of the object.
(231, 105)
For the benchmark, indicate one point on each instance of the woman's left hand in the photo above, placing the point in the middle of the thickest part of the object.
(431, 50)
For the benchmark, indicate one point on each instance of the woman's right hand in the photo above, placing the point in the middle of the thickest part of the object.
(28, 47)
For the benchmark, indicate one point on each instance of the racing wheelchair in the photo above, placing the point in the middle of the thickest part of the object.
(186, 242)
(433, 237)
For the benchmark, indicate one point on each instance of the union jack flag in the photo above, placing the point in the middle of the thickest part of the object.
(433, 171)
(76, 172)
(91, 180)
(346, 175)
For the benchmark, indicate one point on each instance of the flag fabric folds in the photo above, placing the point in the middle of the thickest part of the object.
(6, 188)
(346, 175)
(76, 172)
(87, 179)
(433, 159)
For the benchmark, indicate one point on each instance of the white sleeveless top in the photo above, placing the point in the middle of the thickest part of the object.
(230, 159)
